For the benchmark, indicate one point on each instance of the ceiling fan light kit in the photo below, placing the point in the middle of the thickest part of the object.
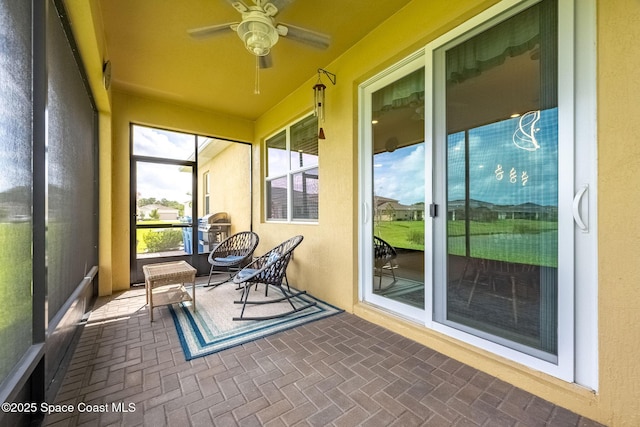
(259, 31)
(258, 35)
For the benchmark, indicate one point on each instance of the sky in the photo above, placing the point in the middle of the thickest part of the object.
(508, 164)
(15, 110)
(157, 180)
(400, 175)
(506, 168)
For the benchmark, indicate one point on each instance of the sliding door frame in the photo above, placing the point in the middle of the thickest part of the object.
(366, 211)
(578, 322)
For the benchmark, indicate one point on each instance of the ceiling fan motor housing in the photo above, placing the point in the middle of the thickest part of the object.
(258, 32)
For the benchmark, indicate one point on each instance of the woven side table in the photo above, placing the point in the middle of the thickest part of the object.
(168, 279)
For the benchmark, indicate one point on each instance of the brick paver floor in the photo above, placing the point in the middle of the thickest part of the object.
(339, 371)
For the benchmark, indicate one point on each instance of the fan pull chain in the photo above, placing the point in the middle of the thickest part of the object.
(256, 89)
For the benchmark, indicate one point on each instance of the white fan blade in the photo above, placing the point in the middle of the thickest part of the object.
(281, 4)
(210, 30)
(238, 5)
(302, 35)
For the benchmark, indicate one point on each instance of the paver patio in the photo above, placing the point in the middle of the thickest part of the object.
(339, 371)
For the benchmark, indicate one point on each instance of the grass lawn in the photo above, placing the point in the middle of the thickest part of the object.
(402, 234)
(15, 293)
(513, 240)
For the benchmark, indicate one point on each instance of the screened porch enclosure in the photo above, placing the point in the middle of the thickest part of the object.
(189, 192)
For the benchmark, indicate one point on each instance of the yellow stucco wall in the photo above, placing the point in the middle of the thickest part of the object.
(230, 185)
(618, 201)
(326, 262)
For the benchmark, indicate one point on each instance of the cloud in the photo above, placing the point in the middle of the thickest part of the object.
(163, 182)
(400, 175)
(171, 182)
(160, 143)
(502, 173)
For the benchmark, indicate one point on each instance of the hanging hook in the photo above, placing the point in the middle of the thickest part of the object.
(330, 76)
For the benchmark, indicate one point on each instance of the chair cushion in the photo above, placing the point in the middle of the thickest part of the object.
(244, 273)
(273, 256)
(229, 258)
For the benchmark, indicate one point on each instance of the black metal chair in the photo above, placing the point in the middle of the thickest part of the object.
(512, 273)
(271, 270)
(384, 256)
(232, 254)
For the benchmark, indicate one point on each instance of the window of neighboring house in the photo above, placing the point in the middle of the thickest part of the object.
(205, 185)
(292, 172)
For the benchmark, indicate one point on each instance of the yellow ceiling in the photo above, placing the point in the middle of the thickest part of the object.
(152, 54)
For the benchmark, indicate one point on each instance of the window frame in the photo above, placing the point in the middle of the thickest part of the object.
(206, 193)
(288, 175)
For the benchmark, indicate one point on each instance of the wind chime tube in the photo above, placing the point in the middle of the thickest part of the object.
(321, 118)
(318, 102)
(322, 103)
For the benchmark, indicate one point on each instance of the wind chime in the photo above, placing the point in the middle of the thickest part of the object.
(319, 99)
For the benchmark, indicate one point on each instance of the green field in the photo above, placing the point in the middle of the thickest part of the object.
(402, 234)
(15, 292)
(513, 240)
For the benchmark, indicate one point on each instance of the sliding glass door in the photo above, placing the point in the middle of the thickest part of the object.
(500, 165)
(394, 165)
(476, 198)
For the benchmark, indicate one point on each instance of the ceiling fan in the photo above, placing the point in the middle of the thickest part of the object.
(259, 30)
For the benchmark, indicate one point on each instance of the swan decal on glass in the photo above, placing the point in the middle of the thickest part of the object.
(525, 135)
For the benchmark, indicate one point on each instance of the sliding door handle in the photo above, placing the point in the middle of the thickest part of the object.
(577, 217)
(365, 212)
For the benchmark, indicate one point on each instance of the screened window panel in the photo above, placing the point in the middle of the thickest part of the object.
(277, 162)
(15, 182)
(291, 177)
(277, 198)
(72, 219)
(304, 143)
(305, 194)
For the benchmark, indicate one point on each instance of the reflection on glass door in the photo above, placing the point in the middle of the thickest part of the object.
(502, 179)
(398, 207)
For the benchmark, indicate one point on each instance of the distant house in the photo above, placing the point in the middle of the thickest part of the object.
(485, 211)
(392, 210)
(165, 213)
